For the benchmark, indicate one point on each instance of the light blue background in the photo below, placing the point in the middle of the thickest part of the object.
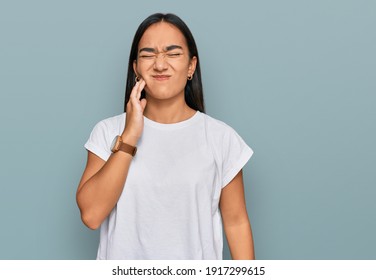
(296, 79)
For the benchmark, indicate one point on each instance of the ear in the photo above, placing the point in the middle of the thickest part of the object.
(192, 65)
(135, 67)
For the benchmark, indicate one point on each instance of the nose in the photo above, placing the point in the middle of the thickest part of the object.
(160, 63)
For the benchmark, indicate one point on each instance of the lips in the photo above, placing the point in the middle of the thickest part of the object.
(161, 77)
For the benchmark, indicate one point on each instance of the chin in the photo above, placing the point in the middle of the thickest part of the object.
(161, 93)
(160, 96)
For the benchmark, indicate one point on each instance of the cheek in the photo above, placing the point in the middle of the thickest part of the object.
(140, 71)
(181, 70)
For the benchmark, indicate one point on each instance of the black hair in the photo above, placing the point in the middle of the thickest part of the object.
(193, 91)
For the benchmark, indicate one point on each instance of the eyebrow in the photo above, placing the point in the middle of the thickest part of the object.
(173, 47)
(168, 48)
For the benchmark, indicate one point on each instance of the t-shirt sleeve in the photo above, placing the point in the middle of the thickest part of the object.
(98, 142)
(236, 154)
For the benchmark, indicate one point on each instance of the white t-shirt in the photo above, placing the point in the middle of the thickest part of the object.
(169, 205)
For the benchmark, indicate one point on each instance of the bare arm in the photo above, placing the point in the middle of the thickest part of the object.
(101, 186)
(235, 220)
(102, 181)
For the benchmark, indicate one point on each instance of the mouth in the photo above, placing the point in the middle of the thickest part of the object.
(161, 77)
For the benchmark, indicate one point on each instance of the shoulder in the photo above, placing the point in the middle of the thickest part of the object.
(114, 123)
(103, 133)
(230, 150)
(217, 127)
(108, 128)
(223, 138)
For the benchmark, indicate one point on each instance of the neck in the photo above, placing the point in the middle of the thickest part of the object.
(168, 111)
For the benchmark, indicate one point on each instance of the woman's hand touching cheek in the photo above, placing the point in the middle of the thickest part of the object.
(134, 124)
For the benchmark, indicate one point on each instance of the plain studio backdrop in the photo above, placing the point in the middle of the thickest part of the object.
(296, 79)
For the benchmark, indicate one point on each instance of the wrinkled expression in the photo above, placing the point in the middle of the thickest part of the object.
(163, 61)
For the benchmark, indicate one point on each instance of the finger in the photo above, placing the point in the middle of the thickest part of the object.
(140, 88)
(129, 106)
(134, 90)
(134, 100)
(143, 103)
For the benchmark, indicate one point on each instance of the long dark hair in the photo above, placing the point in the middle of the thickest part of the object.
(193, 91)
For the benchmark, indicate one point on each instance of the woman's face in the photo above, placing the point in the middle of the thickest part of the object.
(163, 61)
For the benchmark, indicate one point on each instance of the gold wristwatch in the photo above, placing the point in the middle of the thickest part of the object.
(119, 145)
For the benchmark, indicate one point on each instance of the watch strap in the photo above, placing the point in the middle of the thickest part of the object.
(124, 147)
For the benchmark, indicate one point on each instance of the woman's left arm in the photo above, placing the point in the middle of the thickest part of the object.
(235, 220)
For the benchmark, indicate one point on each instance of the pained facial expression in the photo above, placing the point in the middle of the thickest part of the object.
(163, 61)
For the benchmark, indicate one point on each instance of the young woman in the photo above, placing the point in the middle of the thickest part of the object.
(161, 178)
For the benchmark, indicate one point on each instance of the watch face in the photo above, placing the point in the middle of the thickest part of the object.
(114, 147)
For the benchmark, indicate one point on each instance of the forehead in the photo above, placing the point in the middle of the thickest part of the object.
(160, 35)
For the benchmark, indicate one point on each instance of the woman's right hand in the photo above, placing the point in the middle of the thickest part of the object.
(98, 192)
(134, 123)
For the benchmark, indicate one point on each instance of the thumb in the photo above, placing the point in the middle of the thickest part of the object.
(143, 103)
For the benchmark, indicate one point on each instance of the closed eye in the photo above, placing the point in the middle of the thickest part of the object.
(148, 56)
(172, 55)
(151, 56)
